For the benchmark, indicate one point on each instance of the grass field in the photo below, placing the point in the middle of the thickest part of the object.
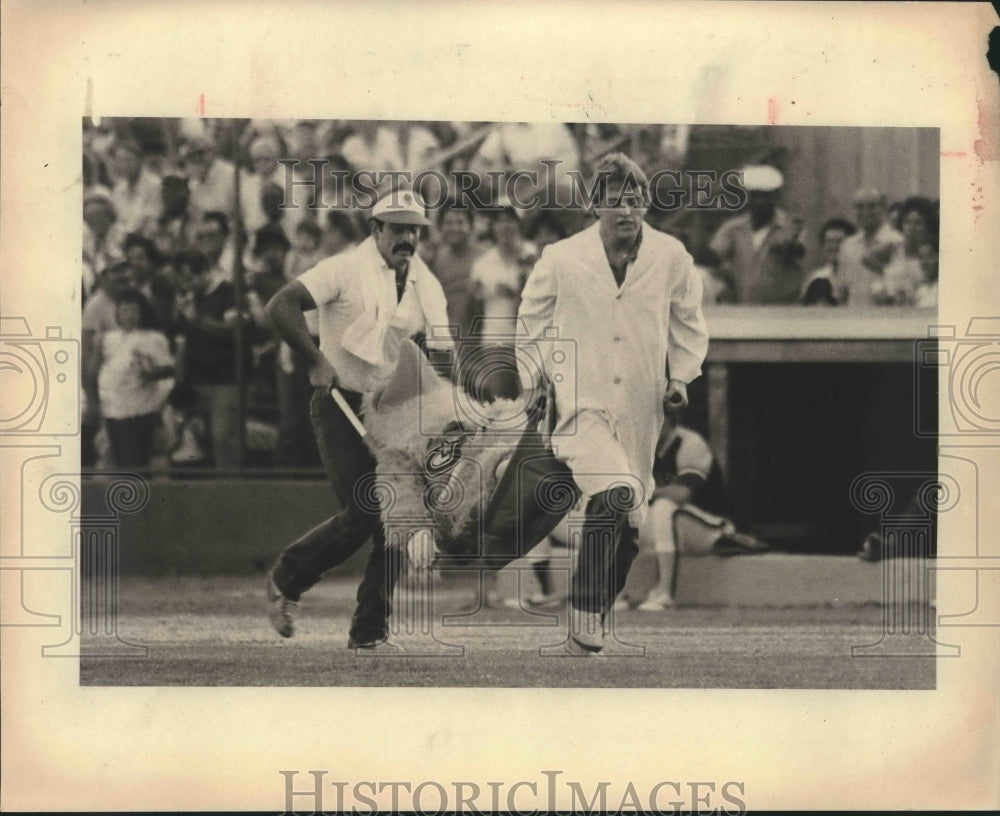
(215, 632)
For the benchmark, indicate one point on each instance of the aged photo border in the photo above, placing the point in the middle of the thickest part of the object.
(65, 747)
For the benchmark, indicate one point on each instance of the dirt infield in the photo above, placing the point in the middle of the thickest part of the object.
(215, 632)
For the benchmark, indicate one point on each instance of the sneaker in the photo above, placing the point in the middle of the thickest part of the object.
(621, 605)
(738, 544)
(283, 610)
(656, 602)
(586, 630)
(382, 645)
(575, 649)
(540, 599)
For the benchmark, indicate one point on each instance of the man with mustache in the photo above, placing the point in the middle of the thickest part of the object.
(369, 299)
(629, 298)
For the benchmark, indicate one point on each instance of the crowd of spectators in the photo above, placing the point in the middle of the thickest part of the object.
(190, 226)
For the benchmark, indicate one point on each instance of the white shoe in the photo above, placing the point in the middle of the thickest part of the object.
(586, 630)
(282, 611)
(621, 605)
(542, 600)
(657, 602)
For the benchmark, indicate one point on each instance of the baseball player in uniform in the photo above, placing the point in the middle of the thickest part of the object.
(688, 511)
(369, 300)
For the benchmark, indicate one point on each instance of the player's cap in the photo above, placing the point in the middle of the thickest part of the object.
(762, 178)
(401, 207)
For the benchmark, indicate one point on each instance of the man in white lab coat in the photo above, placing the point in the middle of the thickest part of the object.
(601, 316)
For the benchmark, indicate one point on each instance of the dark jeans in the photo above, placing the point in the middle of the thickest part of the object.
(131, 440)
(349, 466)
(607, 551)
(536, 491)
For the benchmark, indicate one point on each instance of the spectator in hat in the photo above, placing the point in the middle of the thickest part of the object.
(863, 255)
(498, 276)
(825, 285)
(759, 251)
(211, 178)
(136, 192)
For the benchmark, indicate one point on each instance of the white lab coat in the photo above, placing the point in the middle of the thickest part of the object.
(610, 379)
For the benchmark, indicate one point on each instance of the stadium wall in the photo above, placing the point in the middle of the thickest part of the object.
(237, 527)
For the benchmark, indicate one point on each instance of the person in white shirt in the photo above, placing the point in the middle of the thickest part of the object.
(863, 255)
(629, 299)
(136, 193)
(369, 299)
(211, 179)
(134, 376)
(264, 154)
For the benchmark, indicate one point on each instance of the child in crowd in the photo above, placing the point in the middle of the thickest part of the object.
(134, 376)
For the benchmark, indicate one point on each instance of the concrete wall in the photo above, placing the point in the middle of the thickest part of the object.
(204, 527)
(208, 527)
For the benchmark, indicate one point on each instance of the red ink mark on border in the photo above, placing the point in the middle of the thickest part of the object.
(772, 111)
(952, 154)
(201, 105)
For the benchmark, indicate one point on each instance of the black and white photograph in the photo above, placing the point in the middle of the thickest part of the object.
(546, 446)
(437, 407)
